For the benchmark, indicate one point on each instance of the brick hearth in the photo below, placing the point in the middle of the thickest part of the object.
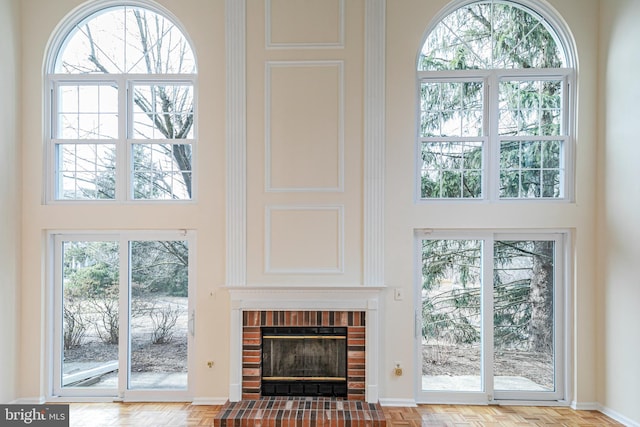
(300, 412)
(252, 346)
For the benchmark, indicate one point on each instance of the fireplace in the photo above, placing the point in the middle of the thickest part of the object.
(304, 361)
(255, 307)
(281, 354)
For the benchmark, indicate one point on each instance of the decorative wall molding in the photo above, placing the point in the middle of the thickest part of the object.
(339, 268)
(269, 66)
(330, 297)
(374, 142)
(374, 149)
(236, 136)
(339, 43)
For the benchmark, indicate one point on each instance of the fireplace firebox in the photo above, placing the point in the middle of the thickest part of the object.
(253, 323)
(304, 361)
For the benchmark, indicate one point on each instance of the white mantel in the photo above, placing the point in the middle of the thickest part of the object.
(306, 298)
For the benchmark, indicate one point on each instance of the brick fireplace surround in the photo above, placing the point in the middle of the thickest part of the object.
(354, 307)
(257, 411)
(252, 321)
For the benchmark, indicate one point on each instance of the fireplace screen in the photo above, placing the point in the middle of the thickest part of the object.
(304, 361)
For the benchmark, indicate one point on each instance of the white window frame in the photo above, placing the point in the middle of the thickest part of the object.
(562, 314)
(124, 171)
(54, 315)
(491, 139)
(491, 173)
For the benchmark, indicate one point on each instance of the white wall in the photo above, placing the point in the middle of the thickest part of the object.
(619, 211)
(296, 212)
(10, 197)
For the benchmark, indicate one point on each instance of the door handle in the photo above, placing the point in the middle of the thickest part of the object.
(192, 323)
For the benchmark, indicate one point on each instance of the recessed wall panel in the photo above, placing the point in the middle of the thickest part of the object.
(304, 23)
(304, 126)
(304, 239)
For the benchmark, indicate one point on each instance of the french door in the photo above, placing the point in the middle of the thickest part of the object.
(490, 317)
(123, 320)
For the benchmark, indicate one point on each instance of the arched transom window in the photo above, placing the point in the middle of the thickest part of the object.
(122, 115)
(494, 105)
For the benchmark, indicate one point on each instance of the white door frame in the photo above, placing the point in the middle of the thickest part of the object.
(561, 319)
(55, 391)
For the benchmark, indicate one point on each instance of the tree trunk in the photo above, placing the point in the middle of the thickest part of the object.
(541, 298)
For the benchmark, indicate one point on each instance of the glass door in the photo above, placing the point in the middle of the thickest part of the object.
(489, 321)
(88, 329)
(123, 320)
(159, 322)
(451, 342)
(527, 314)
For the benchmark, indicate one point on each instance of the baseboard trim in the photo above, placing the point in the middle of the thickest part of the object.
(595, 406)
(215, 401)
(85, 399)
(585, 406)
(618, 416)
(29, 401)
(404, 403)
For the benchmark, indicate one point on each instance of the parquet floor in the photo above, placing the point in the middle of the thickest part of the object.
(468, 416)
(186, 415)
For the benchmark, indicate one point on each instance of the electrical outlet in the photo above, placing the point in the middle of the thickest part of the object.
(398, 295)
(397, 370)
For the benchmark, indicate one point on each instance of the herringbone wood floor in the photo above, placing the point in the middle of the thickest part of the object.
(186, 415)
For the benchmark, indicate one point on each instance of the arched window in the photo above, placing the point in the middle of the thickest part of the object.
(495, 104)
(122, 119)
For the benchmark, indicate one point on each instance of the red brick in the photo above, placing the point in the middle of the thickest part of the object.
(356, 342)
(251, 318)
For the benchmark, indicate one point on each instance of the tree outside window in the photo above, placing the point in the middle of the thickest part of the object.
(493, 106)
(123, 93)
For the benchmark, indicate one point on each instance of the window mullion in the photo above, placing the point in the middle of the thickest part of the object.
(567, 154)
(54, 108)
(491, 117)
(124, 306)
(52, 183)
(487, 317)
(57, 316)
(122, 149)
(560, 318)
